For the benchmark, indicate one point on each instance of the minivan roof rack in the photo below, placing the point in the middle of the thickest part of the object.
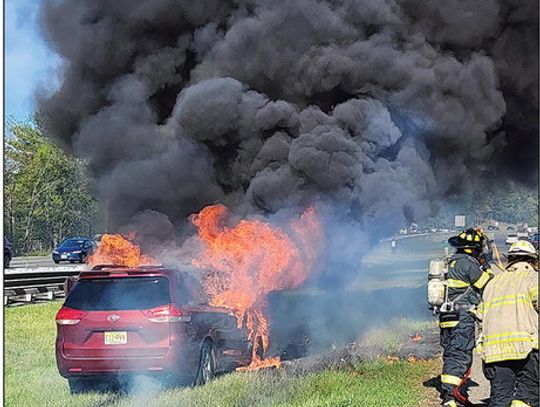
(106, 266)
(98, 267)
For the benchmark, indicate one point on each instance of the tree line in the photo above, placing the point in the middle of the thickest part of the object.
(48, 195)
(47, 192)
(507, 202)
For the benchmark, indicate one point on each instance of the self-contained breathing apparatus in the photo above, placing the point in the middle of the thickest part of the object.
(437, 287)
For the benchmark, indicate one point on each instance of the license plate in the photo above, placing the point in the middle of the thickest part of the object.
(115, 338)
(63, 256)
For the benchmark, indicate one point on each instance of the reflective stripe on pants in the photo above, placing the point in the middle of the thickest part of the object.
(519, 403)
(449, 379)
(448, 324)
(458, 344)
(515, 380)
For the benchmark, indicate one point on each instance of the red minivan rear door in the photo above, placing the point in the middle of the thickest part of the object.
(117, 318)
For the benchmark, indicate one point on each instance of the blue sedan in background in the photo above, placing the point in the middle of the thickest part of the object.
(74, 249)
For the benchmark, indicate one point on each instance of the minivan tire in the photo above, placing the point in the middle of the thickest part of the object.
(207, 364)
(78, 385)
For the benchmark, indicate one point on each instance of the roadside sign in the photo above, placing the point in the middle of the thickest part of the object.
(459, 221)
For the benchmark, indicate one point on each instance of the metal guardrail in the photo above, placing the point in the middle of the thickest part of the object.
(27, 285)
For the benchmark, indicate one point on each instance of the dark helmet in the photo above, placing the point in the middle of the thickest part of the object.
(468, 239)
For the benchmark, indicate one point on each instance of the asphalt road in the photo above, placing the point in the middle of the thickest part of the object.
(410, 261)
(35, 262)
(407, 267)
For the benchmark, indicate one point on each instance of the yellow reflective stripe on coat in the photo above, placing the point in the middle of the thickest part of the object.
(501, 357)
(507, 337)
(505, 297)
(482, 281)
(519, 403)
(506, 300)
(452, 283)
(448, 324)
(533, 292)
(506, 334)
(450, 403)
(449, 379)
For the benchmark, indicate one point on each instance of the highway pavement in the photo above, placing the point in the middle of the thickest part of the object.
(409, 262)
(37, 263)
(407, 267)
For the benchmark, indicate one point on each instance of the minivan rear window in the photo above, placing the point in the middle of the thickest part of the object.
(108, 294)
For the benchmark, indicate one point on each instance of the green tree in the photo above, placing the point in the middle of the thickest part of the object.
(505, 202)
(47, 192)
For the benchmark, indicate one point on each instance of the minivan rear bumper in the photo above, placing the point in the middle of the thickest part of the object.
(178, 361)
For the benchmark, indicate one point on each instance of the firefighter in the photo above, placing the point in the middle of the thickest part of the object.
(509, 341)
(465, 280)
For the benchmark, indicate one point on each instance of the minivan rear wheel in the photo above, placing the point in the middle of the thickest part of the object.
(207, 364)
(78, 385)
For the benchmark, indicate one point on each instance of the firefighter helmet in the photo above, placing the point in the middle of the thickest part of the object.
(468, 239)
(523, 248)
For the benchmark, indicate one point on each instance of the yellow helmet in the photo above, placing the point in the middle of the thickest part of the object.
(469, 238)
(522, 248)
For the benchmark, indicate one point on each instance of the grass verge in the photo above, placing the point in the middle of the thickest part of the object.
(31, 378)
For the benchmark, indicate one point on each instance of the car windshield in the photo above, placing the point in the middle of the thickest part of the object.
(73, 244)
(512, 235)
(125, 293)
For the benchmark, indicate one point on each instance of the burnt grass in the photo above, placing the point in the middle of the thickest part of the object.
(310, 322)
(347, 356)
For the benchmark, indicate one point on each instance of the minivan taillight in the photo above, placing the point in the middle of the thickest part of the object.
(166, 313)
(69, 316)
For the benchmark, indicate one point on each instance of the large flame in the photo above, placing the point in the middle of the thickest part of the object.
(247, 261)
(119, 251)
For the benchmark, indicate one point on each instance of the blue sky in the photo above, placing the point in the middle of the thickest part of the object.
(28, 61)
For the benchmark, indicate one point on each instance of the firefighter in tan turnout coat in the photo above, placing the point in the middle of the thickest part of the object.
(509, 340)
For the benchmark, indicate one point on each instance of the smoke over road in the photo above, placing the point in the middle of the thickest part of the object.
(377, 108)
(371, 111)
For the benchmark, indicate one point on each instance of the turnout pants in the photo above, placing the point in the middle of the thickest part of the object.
(458, 341)
(514, 382)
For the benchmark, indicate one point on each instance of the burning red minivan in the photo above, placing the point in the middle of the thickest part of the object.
(117, 322)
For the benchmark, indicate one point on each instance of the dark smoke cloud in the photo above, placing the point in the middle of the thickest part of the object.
(381, 107)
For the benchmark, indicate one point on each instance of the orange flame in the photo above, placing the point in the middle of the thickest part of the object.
(251, 259)
(117, 250)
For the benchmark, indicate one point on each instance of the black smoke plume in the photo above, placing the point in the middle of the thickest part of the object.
(380, 107)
